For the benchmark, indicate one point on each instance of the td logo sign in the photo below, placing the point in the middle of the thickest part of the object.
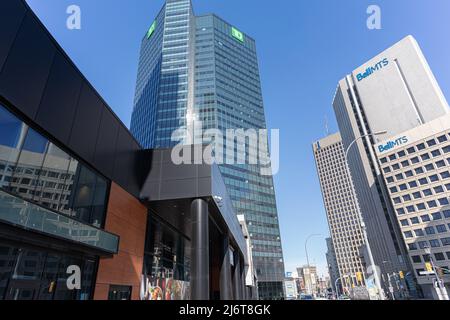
(392, 144)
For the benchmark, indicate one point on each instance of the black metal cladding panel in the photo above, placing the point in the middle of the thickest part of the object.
(13, 12)
(85, 128)
(106, 143)
(26, 70)
(123, 164)
(57, 109)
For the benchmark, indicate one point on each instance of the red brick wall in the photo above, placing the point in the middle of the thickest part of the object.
(126, 217)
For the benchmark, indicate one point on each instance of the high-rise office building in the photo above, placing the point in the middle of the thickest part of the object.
(333, 268)
(200, 69)
(415, 165)
(393, 92)
(342, 208)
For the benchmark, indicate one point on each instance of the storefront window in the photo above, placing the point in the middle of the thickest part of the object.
(166, 265)
(37, 274)
(36, 169)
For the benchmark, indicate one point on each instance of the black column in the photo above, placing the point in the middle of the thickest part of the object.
(243, 287)
(200, 250)
(226, 292)
(237, 276)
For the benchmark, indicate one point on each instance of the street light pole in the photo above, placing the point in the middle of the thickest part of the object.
(307, 257)
(440, 282)
(363, 225)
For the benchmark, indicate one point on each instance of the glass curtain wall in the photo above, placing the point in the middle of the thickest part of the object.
(34, 168)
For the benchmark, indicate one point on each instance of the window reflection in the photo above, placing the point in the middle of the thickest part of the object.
(36, 169)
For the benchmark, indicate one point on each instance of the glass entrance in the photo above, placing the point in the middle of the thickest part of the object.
(23, 290)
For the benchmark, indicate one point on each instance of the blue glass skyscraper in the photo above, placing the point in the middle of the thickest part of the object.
(202, 68)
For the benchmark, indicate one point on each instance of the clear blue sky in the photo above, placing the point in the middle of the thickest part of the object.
(304, 48)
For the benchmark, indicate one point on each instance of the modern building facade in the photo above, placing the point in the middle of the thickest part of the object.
(415, 166)
(310, 279)
(200, 71)
(333, 269)
(393, 92)
(341, 206)
(81, 200)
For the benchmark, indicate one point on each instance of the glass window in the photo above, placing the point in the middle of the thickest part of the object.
(88, 199)
(421, 146)
(401, 154)
(403, 187)
(29, 165)
(419, 170)
(399, 176)
(411, 209)
(408, 234)
(434, 243)
(425, 218)
(436, 153)
(427, 192)
(442, 138)
(441, 228)
(412, 246)
(415, 160)
(440, 163)
(419, 232)
(392, 157)
(445, 241)
(446, 213)
(445, 175)
(436, 216)
(431, 142)
(390, 179)
(425, 156)
(430, 230)
(395, 166)
(446, 149)
(405, 163)
(423, 181)
(383, 160)
(432, 204)
(406, 197)
(386, 169)
(412, 184)
(417, 195)
(409, 173)
(393, 189)
(411, 150)
(434, 178)
(119, 292)
(416, 259)
(400, 211)
(438, 189)
(443, 201)
(415, 220)
(11, 135)
(439, 256)
(404, 222)
(397, 200)
(423, 244)
(421, 206)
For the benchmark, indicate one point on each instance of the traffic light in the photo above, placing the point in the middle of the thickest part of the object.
(428, 266)
(401, 274)
(359, 277)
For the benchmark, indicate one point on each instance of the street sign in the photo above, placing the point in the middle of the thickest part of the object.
(428, 266)
(426, 273)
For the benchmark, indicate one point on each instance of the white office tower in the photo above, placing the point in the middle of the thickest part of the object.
(393, 92)
(342, 211)
(416, 169)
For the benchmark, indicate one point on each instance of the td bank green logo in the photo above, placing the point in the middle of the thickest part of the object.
(151, 30)
(237, 34)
